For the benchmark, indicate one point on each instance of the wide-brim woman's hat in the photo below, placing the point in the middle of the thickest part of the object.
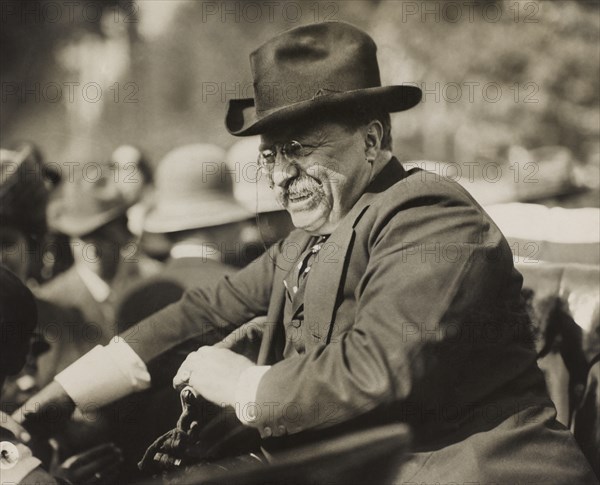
(323, 66)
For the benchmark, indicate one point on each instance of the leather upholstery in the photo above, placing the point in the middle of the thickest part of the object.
(565, 306)
(558, 253)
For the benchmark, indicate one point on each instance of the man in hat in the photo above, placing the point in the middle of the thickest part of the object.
(395, 300)
(25, 183)
(90, 208)
(196, 211)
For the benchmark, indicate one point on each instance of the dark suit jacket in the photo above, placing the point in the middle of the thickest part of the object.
(177, 275)
(412, 313)
(73, 322)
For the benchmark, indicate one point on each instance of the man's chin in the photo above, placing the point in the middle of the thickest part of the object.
(310, 221)
(316, 222)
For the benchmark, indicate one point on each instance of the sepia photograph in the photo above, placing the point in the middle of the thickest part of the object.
(272, 242)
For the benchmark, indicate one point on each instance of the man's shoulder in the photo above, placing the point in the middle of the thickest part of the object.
(424, 201)
(419, 184)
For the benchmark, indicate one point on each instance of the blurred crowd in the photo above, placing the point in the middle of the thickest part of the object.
(103, 245)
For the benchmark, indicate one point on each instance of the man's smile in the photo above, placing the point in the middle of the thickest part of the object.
(303, 193)
(299, 196)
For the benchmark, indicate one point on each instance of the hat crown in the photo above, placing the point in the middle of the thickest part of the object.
(193, 190)
(193, 170)
(319, 68)
(310, 61)
(87, 199)
(91, 190)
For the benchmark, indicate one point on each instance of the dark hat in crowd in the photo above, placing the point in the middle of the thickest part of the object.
(90, 197)
(23, 190)
(18, 318)
(324, 66)
(193, 190)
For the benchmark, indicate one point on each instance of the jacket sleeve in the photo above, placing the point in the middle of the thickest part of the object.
(208, 312)
(432, 261)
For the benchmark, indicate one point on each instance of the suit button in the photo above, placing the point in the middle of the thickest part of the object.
(267, 432)
(296, 323)
(281, 430)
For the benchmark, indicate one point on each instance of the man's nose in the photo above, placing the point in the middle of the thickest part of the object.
(283, 171)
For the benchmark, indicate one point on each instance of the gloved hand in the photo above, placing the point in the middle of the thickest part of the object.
(46, 412)
(97, 466)
(170, 450)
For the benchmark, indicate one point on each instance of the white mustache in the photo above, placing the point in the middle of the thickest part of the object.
(301, 186)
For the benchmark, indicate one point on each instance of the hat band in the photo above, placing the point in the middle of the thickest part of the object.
(274, 95)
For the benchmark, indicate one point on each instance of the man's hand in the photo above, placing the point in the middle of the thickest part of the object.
(213, 373)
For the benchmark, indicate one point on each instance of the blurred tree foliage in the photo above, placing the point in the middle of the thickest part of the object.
(543, 56)
(186, 63)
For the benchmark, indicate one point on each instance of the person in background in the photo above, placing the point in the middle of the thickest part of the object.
(25, 185)
(97, 466)
(24, 192)
(195, 210)
(135, 179)
(251, 189)
(90, 208)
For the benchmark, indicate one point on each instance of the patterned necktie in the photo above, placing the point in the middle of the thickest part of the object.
(295, 282)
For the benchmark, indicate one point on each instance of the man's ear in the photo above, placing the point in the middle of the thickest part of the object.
(373, 137)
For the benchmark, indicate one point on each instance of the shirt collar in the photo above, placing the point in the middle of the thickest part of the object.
(195, 250)
(98, 288)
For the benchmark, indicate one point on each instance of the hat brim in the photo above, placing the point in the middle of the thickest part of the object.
(76, 226)
(185, 215)
(242, 119)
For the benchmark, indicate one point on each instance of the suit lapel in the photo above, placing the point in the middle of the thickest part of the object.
(325, 285)
(325, 281)
(273, 340)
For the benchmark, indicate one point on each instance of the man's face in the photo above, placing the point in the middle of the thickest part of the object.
(319, 183)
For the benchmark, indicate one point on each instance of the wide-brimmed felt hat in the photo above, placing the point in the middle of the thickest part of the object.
(193, 191)
(324, 66)
(86, 200)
